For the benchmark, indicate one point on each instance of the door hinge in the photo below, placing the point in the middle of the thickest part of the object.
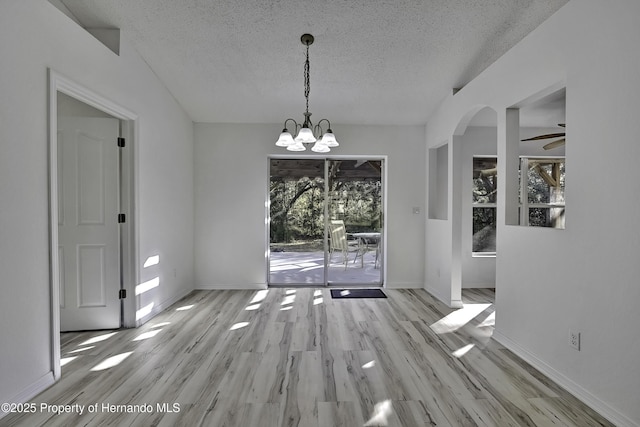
(122, 294)
(121, 218)
(121, 142)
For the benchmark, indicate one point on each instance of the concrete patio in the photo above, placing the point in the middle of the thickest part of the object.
(307, 269)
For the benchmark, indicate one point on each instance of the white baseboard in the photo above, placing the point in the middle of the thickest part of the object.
(451, 303)
(229, 286)
(478, 285)
(31, 391)
(456, 303)
(403, 285)
(565, 382)
(260, 286)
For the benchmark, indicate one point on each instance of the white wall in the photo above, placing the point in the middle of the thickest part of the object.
(34, 35)
(231, 190)
(583, 278)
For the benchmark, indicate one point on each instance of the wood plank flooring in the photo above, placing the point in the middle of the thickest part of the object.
(297, 357)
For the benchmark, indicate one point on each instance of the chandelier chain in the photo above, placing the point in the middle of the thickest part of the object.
(307, 79)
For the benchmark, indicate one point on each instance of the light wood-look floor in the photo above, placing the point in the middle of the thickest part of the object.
(300, 358)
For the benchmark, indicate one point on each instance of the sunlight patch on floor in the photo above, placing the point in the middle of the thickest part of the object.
(238, 326)
(157, 325)
(259, 296)
(381, 411)
(288, 300)
(97, 339)
(457, 319)
(65, 360)
(147, 335)
(112, 361)
(489, 321)
(463, 350)
(81, 349)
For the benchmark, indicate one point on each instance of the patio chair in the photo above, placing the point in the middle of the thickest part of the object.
(338, 241)
(368, 241)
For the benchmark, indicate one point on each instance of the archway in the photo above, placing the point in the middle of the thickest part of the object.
(474, 202)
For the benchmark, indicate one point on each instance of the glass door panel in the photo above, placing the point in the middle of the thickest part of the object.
(297, 227)
(355, 222)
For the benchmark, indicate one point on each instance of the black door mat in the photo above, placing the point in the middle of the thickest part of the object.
(357, 293)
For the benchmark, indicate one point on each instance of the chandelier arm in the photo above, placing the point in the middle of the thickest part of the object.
(325, 120)
(317, 130)
(294, 122)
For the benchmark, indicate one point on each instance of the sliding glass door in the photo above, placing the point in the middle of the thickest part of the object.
(355, 204)
(326, 222)
(296, 223)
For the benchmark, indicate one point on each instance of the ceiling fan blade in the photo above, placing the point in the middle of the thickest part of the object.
(489, 172)
(554, 144)
(546, 136)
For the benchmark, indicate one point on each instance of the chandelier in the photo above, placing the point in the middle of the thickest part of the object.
(307, 133)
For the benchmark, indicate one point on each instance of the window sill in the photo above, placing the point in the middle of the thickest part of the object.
(483, 254)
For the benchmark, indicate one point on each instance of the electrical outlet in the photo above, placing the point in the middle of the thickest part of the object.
(574, 340)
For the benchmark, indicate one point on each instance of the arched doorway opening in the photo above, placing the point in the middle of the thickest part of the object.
(474, 197)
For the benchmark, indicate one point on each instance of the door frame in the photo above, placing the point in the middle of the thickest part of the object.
(267, 204)
(127, 199)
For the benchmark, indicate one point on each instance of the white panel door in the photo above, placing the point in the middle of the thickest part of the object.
(88, 233)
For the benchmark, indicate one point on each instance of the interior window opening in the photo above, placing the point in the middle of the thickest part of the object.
(542, 195)
(484, 191)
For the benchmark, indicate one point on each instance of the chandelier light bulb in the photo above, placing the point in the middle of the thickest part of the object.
(305, 136)
(329, 139)
(320, 147)
(296, 146)
(285, 139)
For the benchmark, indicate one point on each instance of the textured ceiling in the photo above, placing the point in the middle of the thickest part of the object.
(373, 61)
